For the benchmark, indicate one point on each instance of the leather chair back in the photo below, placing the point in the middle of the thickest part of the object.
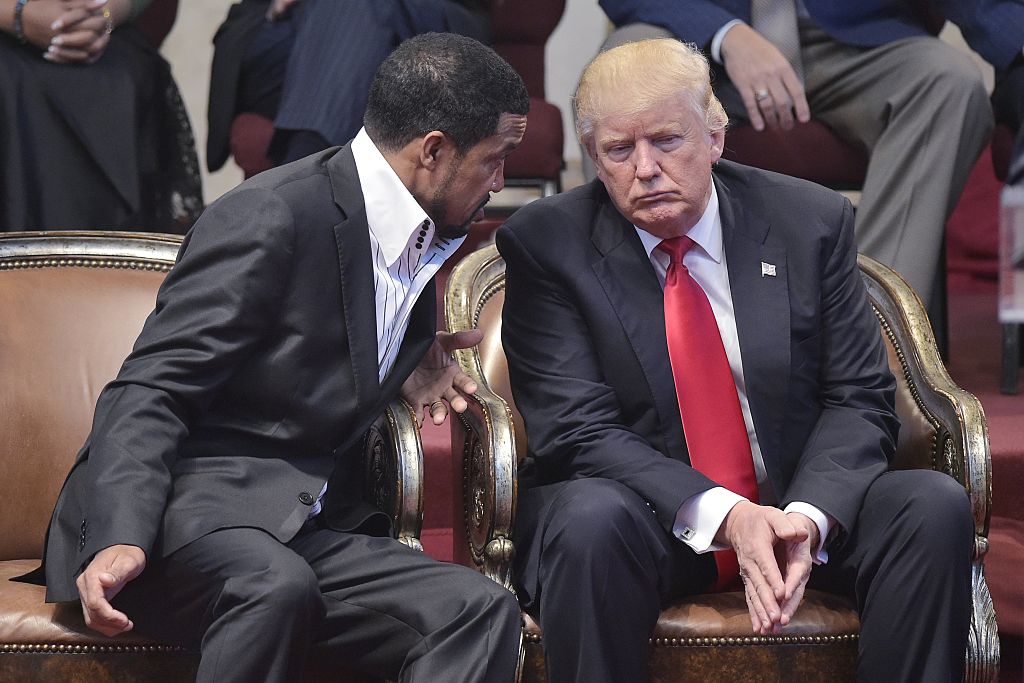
(68, 318)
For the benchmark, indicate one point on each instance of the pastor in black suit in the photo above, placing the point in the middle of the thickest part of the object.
(613, 522)
(196, 511)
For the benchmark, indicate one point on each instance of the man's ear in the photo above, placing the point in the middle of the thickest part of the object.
(591, 148)
(433, 147)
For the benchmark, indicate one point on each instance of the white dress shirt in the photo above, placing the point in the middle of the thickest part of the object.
(404, 247)
(699, 517)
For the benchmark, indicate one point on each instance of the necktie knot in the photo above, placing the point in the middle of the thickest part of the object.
(676, 247)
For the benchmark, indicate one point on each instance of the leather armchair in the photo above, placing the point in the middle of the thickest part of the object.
(709, 637)
(71, 305)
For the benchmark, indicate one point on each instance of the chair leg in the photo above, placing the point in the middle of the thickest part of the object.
(549, 187)
(1011, 358)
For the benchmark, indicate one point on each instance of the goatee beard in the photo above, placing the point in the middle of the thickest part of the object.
(450, 232)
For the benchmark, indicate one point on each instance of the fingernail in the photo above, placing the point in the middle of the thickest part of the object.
(52, 49)
(57, 40)
(48, 56)
(57, 25)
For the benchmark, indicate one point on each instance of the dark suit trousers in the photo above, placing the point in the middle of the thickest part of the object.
(1008, 106)
(254, 607)
(595, 567)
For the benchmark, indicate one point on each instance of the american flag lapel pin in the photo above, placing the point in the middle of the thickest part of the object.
(767, 269)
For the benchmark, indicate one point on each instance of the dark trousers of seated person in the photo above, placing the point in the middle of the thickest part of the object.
(1008, 106)
(595, 567)
(255, 608)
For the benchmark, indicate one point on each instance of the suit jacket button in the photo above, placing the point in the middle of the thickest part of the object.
(306, 498)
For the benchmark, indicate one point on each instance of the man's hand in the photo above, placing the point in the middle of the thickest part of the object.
(438, 378)
(753, 532)
(104, 578)
(771, 91)
(795, 561)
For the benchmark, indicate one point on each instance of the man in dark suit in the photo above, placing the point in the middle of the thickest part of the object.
(217, 502)
(626, 486)
(873, 72)
(307, 64)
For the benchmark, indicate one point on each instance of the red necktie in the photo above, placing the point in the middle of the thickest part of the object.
(716, 436)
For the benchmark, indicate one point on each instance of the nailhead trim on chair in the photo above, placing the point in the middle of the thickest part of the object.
(83, 649)
(133, 264)
(913, 386)
(746, 640)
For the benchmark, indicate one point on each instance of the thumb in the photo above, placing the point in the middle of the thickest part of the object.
(463, 339)
(109, 579)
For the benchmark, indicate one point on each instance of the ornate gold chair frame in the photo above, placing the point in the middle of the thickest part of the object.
(121, 273)
(709, 637)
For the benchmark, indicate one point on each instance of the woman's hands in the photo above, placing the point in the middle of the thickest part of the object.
(72, 31)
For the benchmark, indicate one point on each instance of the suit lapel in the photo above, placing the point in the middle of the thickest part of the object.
(761, 308)
(632, 288)
(353, 240)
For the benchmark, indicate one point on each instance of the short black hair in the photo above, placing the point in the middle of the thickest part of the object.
(445, 82)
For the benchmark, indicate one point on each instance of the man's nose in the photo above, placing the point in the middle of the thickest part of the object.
(646, 162)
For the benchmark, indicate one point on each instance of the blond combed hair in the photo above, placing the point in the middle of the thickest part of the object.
(633, 77)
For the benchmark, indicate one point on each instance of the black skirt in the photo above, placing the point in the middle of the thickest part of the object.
(100, 146)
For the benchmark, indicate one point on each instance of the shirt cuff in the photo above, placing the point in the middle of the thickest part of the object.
(716, 41)
(823, 521)
(700, 516)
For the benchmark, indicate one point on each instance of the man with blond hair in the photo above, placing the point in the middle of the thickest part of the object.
(699, 370)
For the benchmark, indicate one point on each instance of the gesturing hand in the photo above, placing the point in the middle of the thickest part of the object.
(438, 378)
(765, 79)
(103, 578)
(754, 532)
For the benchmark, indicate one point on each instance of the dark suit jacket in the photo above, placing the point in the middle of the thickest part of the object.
(584, 333)
(251, 383)
(868, 23)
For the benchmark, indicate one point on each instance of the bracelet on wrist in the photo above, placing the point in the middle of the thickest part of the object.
(108, 22)
(19, 27)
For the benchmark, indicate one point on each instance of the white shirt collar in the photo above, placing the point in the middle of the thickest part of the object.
(392, 213)
(707, 233)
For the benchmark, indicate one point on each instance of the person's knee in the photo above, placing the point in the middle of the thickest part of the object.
(631, 33)
(950, 76)
(940, 510)
(286, 588)
(596, 515)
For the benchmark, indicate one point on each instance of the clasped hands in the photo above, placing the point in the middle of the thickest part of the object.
(438, 378)
(774, 552)
(72, 31)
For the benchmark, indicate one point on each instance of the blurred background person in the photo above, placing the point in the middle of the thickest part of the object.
(95, 134)
(307, 64)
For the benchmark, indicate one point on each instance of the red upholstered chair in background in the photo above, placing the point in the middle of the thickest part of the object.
(520, 30)
(157, 19)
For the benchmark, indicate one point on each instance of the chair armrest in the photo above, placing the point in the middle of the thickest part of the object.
(961, 446)
(483, 442)
(394, 470)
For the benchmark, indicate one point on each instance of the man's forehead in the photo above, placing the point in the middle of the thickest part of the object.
(511, 125)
